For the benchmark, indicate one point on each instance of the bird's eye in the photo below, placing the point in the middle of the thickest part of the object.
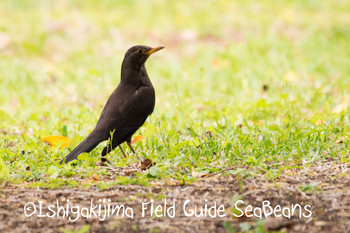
(139, 51)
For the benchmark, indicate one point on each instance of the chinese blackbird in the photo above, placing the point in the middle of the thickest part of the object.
(126, 109)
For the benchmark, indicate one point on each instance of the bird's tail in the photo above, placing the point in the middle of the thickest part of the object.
(85, 146)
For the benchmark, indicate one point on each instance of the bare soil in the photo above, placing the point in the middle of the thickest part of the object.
(325, 186)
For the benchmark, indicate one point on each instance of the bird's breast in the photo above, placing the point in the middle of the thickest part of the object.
(146, 98)
(137, 102)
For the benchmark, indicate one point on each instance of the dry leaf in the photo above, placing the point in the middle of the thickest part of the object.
(137, 138)
(147, 163)
(173, 183)
(95, 177)
(56, 140)
(86, 181)
(11, 144)
(156, 185)
(3, 131)
(130, 172)
(208, 133)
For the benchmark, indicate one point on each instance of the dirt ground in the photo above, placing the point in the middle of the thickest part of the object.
(325, 187)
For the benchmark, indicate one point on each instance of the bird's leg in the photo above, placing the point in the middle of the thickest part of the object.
(103, 154)
(121, 149)
(131, 148)
(128, 142)
(103, 160)
(105, 151)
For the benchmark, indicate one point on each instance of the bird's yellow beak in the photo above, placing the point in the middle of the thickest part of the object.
(154, 49)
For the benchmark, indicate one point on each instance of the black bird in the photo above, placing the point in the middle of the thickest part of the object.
(126, 109)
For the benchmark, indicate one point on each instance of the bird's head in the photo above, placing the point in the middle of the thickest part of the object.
(137, 55)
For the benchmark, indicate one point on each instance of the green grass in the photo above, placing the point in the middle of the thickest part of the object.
(63, 60)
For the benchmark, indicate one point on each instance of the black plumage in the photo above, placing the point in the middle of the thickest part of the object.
(126, 109)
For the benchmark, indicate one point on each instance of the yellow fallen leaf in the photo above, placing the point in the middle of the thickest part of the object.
(291, 76)
(137, 138)
(173, 183)
(341, 107)
(57, 140)
(95, 177)
(86, 181)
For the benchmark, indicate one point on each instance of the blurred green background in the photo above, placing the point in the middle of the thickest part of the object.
(240, 69)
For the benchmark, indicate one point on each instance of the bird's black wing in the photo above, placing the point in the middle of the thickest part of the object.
(127, 108)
